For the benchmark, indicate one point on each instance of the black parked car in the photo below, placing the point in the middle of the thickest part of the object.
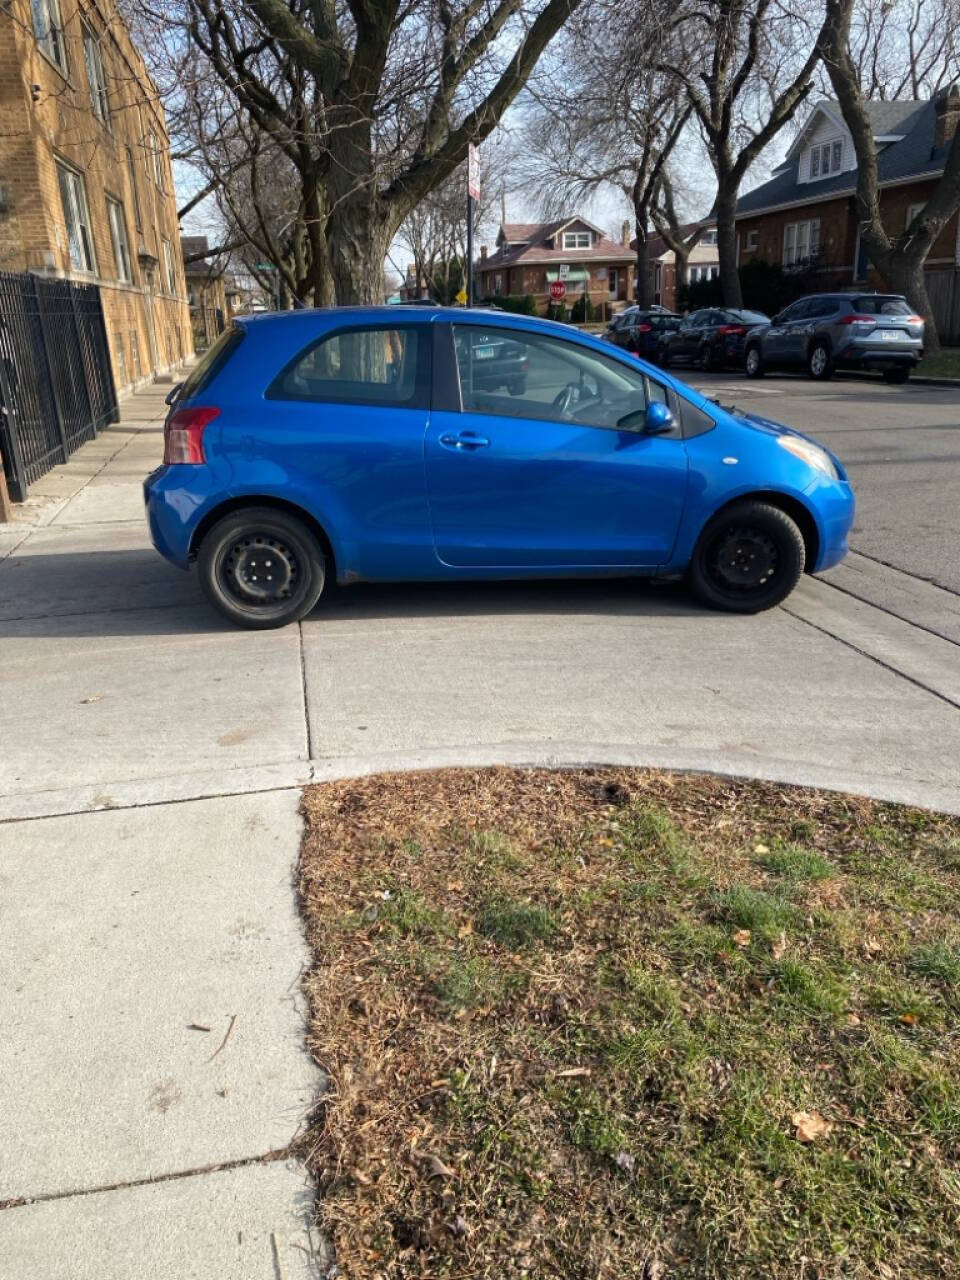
(712, 337)
(643, 332)
(827, 331)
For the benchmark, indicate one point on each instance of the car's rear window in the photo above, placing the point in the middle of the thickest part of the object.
(386, 365)
(881, 306)
(211, 362)
(752, 317)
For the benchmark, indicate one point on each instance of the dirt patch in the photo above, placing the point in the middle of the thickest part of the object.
(607, 1023)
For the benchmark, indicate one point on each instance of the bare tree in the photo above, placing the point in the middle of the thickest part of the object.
(372, 103)
(673, 231)
(756, 60)
(607, 123)
(905, 48)
(899, 258)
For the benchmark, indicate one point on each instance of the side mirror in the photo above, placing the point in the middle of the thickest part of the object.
(173, 393)
(657, 419)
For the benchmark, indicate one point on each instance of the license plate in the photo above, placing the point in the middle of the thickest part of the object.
(484, 353)
(892, 335)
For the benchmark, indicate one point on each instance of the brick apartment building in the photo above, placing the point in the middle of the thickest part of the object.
(804, 218)
(86, 189)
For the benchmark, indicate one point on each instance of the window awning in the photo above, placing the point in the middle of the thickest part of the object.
(577, 275)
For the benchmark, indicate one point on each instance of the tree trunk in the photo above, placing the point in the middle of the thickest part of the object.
(903, 273)
(726, 210)
(357, 243)
(642, 296)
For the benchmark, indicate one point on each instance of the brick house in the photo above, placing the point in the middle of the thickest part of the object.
(702, 264)
(529, 255)
(207, 293)
(86, 189)
(804, 217)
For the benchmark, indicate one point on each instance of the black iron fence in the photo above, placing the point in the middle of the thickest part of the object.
(56, 381)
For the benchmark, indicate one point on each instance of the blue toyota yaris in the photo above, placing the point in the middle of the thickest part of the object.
(391, 444)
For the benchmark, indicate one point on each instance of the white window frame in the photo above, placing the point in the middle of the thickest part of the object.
(76, 211)
(801, 241)
(96, 77)
(118, 234)
(576, 239)
(48, 29)
(708, 238)
(752, 239)
(168, 266)
(826, 158)
(153, 143)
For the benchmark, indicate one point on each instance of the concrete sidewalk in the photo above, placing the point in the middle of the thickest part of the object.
(150, 769)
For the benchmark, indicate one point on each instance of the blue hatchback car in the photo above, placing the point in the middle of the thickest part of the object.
(392, 444)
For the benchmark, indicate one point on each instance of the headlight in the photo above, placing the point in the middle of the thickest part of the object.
(810, 453)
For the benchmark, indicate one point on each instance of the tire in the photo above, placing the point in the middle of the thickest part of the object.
(897, 376)
(724, 573)
(253, 543)
(820, 362)
(705, 359)
(753, 363)
(665, 359)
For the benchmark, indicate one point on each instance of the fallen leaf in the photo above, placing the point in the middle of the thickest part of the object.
(94, 697)
(742, 937)
(465, 929)
(574, 1071)
(625, 1161)
(810, 1125)
(434, 1165)
(761, 848)
(909, 1018)
(853, 1020)
(779, 947)
(196, 1026)
(872, 945)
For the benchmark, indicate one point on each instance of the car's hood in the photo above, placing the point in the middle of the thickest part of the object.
(771, 428)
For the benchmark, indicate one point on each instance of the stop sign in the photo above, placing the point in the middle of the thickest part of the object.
(558, 290)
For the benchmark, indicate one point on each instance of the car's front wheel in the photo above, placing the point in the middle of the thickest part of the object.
(754, 363)
(705, 358)
(748, 558)
(261, 567)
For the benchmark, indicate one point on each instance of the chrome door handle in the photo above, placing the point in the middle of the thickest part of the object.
(466, 440)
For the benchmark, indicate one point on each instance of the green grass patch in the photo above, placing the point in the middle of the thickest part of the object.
(575, 1025)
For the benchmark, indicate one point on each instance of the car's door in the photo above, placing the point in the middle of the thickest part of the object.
(347, 440)
(686, 341)
(775, 338)
(547, 479)
(798, 329)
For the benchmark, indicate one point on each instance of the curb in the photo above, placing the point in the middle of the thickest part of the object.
(935, 382)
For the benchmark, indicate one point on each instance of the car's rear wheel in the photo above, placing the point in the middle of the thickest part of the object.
(900, 374)
(820, 362)
(261, 567)
(754, 363)
(748, 558)
(705, 358)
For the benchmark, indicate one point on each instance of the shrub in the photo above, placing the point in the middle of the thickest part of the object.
(582, 310)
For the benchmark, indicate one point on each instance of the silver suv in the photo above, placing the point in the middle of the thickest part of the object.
(828, 331)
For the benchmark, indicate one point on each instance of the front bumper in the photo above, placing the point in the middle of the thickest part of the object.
(834, 507)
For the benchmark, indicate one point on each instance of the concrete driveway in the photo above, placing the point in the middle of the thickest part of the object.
(149, 769)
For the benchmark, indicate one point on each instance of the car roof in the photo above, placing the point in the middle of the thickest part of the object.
(307, 317)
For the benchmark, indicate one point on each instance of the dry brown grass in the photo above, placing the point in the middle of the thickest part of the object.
(569, 1018)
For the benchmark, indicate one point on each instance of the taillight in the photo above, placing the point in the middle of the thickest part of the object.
(914, 319)
(183, 434)
(857, 319)
(644, 328)
(728, 330)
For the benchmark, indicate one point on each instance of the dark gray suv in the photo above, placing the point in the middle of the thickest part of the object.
(828, 331)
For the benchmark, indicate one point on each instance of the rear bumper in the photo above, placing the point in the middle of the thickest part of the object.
(173, 511)
(863, 354)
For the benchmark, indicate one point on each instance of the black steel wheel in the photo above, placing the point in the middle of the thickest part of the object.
(748, 558)
(261, 567)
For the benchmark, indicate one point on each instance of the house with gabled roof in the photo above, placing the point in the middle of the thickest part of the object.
(529, 255)
(804, 218)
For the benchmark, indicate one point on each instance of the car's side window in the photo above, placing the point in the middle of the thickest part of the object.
(381, 365)
(525, 375)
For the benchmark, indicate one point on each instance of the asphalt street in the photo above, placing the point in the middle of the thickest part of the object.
(901, 448)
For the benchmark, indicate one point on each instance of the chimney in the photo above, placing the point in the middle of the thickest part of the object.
(625, 232)
(947, 108)
(483, 253)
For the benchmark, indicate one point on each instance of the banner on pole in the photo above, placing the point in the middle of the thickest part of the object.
(473, 172)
